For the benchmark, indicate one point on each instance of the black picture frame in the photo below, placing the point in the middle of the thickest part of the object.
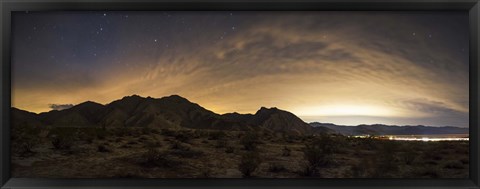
(7, 6)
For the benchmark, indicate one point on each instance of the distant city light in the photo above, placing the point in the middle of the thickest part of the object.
(424, 139)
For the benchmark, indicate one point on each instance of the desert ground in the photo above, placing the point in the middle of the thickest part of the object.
(65, 152)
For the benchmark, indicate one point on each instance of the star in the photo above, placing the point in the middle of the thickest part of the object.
(101, 29)
(155, 40)
(104, 14)
(413, 34)
(233, 27)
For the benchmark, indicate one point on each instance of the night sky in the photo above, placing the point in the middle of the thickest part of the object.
(340, 67)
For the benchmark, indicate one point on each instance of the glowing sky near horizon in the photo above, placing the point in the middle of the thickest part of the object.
(340, 67)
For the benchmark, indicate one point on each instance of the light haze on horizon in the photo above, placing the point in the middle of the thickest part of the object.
(346, 68)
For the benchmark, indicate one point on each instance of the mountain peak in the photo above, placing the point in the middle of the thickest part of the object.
(265, 109)
(88, 104)
(134, 96)
(176, 98)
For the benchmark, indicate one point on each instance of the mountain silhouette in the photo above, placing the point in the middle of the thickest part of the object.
(167, 112)
(380, 129)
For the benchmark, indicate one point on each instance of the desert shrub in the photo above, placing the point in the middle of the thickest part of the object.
(176, 145)
(122, 131)
(288, 138)
(183, 135)
(361, 169)
(103, 148)
(465, 160)
(206, 171)
(249, 163)
(454, 164)
(409, 156)
(221, 143)
(132, 142)
(198, 133)
(101, 134)
(155, 158)
(276, 167)
(216, 135)
(308, 171)
(25, 145)
(168, 132)
(424, 172)
(386, 165)
(229, 149)
(153, 144)
(147, 130)
(369, 143)
(186, 153)
(250, 141)
(61, 142)
(62, 138)
(25, 130)
(320, 151)
(286, 151)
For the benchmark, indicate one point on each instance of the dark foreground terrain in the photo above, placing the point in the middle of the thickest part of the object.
(136, 152)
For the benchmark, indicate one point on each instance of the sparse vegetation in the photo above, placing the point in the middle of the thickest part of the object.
(168, 153)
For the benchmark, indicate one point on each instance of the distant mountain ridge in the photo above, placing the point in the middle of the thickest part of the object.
(175, 112)
(380, 129)
(167, 112)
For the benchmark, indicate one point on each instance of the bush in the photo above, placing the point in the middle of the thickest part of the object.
(249, 163)
(187, 153)
(184, 135)
(361, 169)
(386, 165)
(179, 146)
(276, 168)
(454, 165)
(168, 132)
(229, 149)
(309, 171)
(319, 152)
(154, 157)
(250, 141)
(62, 142)
(217, 135)
(286, 151)
(26, 145)
(221, 143)
(62, 138)
(409, 156)
(103, 148)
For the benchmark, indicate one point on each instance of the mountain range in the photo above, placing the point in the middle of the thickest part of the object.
(167, 112)
(175, 111)
(380, 129)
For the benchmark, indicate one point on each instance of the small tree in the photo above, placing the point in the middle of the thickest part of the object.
(249, 163)
(319, 153)
(250, 141)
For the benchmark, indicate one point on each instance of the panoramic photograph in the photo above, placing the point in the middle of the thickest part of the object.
(239, 94)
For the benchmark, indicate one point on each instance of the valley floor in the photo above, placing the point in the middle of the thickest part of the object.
(168, 153)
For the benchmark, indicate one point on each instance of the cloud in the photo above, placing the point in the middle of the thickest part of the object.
(60, 106)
